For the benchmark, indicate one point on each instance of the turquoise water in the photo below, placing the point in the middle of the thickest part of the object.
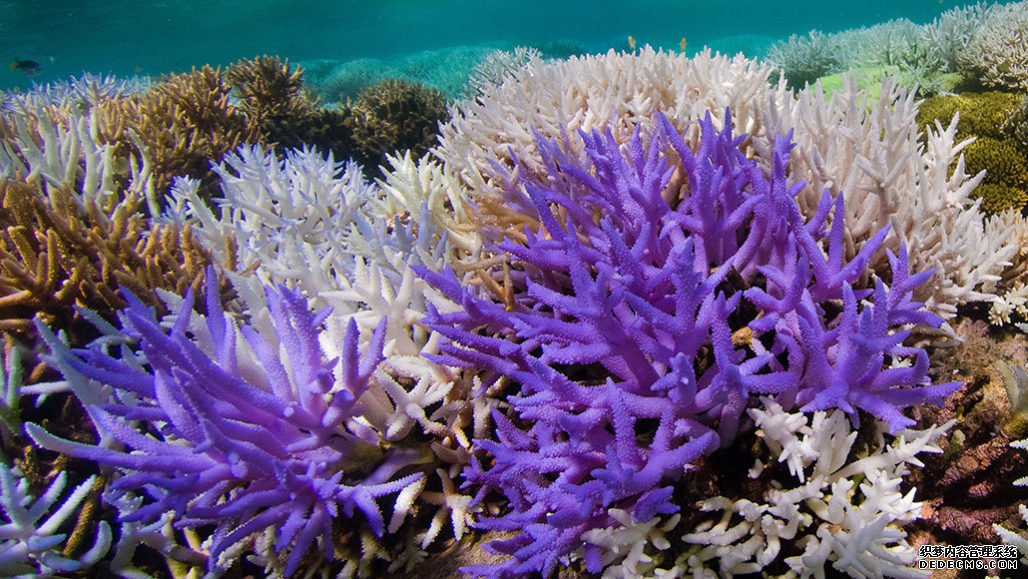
(68, 37)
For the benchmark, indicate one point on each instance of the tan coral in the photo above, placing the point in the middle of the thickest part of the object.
(54, 256)
(180, 126)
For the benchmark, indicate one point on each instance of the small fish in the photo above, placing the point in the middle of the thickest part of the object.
(30, 68)
(631, 42)
(681, 44)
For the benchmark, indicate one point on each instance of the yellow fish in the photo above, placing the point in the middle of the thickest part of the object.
(631, 42)
(681, 44)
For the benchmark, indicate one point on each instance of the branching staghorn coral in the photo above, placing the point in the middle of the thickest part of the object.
(496, 66)
(642, 322)
(997, 56)
(57, 253)
(395, 116)
(270, 91)
(318, 226)
(614, 90)
(896, 45)
(30, 541)
(280, 109)
(804, 59)
(253, 433)
(179, 126)
(77, 94)
(949, 35)
(836, 506)
(871, 149)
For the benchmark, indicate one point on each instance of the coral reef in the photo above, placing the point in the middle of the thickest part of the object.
(997, 57)
(550, 340)
(804, 59)
(394, 116)
(178, 126)
(253, 437)
(650, 300)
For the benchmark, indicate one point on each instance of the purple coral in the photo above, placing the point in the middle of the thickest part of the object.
(642, 329)
(240, 442)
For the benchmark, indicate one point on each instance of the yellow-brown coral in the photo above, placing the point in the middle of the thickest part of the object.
(180, 126)
(396, 116)
(57, 253)
(282, 112)
(269, 90)
(980, 113)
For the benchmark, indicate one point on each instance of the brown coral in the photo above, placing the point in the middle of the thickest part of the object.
(283, 112)
(970, 487)
(269, 91)
(180, 126)
(57, 252)
(395, 116)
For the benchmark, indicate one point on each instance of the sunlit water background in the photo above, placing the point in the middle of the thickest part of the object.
(69, 37)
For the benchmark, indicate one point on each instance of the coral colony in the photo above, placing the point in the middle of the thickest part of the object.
(686, 323)
(633, 317)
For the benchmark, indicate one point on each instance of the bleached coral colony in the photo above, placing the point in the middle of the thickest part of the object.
(635, 314)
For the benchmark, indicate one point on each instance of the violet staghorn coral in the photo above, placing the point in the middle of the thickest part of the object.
(666, 289)
(257, 436)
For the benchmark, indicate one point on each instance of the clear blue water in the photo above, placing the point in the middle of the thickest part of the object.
(68, 37)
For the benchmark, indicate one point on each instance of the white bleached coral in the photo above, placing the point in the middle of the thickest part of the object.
(628, 549)
(29, 539)
(310, 223)
(869, 150)
(1011, 305)
(843, 511)
(997, 55)
(1007, 536)
(617, 90)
